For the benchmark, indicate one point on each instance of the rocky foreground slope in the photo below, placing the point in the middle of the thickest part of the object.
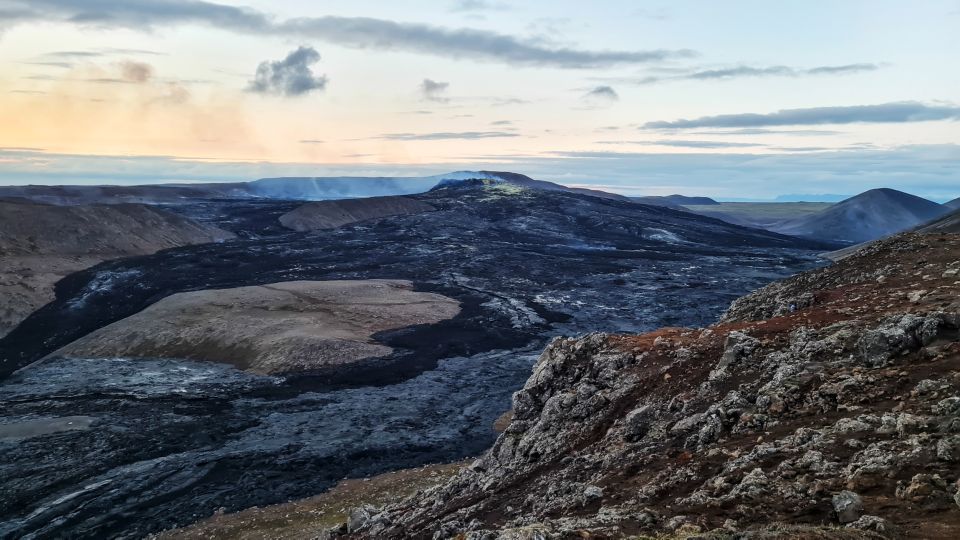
(40, 244)
(823, 406)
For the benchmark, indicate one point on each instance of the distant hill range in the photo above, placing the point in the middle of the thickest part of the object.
(296, 188)
(674, 201)
(954, 204)
(811, 197)
(870, 215)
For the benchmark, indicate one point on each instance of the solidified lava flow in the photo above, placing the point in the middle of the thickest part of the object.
(163, 442)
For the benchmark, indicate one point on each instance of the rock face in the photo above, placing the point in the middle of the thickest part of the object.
(872, 214)
(841, 409)
(40, 244)
(282, 327)
(332, 214)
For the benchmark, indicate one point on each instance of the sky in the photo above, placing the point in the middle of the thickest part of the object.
(737, 99)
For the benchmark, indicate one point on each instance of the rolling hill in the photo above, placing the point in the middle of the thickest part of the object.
(870, 215)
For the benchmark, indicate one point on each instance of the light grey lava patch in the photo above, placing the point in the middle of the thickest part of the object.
(37, 427)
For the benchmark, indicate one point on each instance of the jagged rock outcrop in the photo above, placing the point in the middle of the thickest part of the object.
(840, 412)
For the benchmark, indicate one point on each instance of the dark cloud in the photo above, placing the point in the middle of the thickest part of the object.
(901, 112)
(355, 32)
(439, 136)
(432, 90)
(289, 77)
(501, 123)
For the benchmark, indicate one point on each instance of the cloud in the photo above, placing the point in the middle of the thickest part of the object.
(443, 135)
(353, 32)
(598, 98)
(64, 65)
(764, 131)
(602, 93)
(311, 141)
(688, 144)
(841, 70)
(504, 101)
(886, 113)
(173, 93)
(136, 72)
(740, 72)
(289, 77)
(73, 54)
(502, 123)
(467, 6)
(434, 91)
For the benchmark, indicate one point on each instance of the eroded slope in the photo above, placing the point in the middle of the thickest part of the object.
(40, 244)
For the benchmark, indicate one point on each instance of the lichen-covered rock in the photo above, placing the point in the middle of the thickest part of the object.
(848, 506)
(873, 523)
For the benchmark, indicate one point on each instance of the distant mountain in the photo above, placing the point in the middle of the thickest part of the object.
(954, 204)
(872, 214)
(294, 188)
(675, 200)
